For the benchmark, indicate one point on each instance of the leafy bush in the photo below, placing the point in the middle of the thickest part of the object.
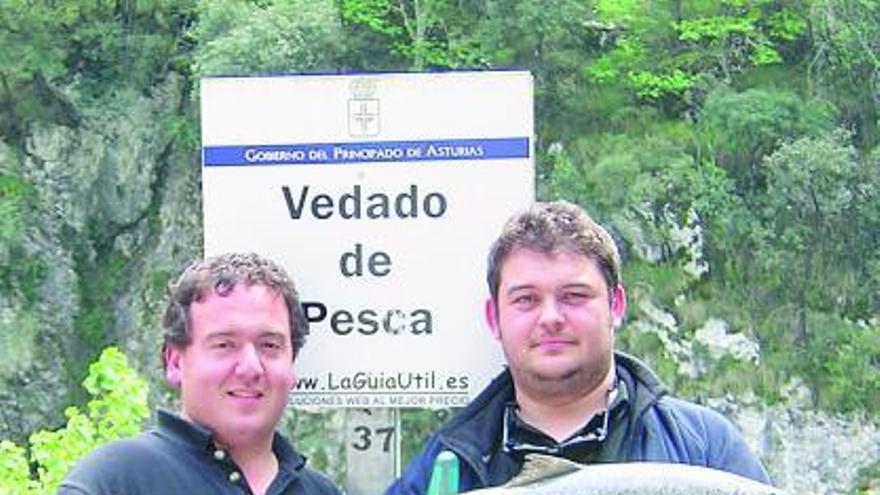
(118, 409)
(841, 363)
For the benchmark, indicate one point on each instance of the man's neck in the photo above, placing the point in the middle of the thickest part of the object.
(258, 464)
(560, 416)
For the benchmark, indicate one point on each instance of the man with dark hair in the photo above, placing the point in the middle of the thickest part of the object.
(233, 327)
(556, 298)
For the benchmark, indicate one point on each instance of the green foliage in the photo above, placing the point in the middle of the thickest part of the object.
(243, 37)
(665, 49)
(27, 35)
(552, 40)
(841, 362)
(373, 14)
(310, 430)
(609, 67)
(419, 424)
(426, 33)
(654, 86)
(853, 371)
(94, 48)
(844, 66)
(868, 480)
(786, 25)
(645, 184)
(661, 283)
(719, 376)
(742, 127)
(13, 205)
(788, 210)
(818, 208)
(800, 259)
(18, 331)
(20, 271)
(182, 130)
(20, 274)
(649, 348)
(717, 27)
(118, 409)
(14, 469)
(94, 322)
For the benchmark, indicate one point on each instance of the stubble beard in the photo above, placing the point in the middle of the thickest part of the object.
(572, 383)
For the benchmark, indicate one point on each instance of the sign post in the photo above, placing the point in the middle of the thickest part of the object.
(380, 194)
(372, 451)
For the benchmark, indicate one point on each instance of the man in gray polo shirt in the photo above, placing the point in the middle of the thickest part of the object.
(233, 327)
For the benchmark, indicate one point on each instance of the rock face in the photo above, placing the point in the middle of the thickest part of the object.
(809, 452)
(114, 208)
(805, 451)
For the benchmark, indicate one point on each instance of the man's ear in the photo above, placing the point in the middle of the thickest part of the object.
(172, 365)
(618, 305)
(491, 314)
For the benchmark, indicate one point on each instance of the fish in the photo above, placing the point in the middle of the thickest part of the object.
(549, 475)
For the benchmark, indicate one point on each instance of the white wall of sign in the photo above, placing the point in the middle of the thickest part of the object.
(381, 195)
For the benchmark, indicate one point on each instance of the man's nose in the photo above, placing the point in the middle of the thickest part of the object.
(551, 314)
(249, 363)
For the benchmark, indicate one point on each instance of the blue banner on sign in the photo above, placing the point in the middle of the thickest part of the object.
(381, 151)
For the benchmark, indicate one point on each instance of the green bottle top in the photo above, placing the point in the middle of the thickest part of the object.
(444, 475)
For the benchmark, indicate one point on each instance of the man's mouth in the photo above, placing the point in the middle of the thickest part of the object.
(553, 344)
(245, 394)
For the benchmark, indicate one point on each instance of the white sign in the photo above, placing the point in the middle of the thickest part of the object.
(381, 195)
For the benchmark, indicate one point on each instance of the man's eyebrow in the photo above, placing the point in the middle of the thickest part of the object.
(524, 286)
(580, 285)
(268, 331)
(220, 333)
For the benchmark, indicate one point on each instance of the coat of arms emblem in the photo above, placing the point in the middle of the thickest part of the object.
(363, 108)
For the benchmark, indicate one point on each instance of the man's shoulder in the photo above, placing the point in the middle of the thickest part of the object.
(470, 433)
(487, 405)
(317, 483)
(649, 394)
(712, 437)
(292, 465)
(126, 450)
(696, 416)
(472, 430)
(109, 464)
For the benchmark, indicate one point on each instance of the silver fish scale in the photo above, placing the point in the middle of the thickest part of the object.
(544, 475)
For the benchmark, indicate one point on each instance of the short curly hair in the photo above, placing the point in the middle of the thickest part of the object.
(220, 274)
(549, 228)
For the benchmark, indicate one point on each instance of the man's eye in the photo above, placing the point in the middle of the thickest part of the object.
(574, 297)
(271, 345)
(222, 344)
(524, 299)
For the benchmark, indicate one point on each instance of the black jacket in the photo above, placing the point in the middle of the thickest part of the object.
(647, 425)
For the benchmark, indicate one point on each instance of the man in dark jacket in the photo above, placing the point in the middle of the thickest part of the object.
(556, 299)
(233, 326)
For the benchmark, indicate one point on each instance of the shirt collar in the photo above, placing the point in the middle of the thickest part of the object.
(520, 437)
(195, 436)
(191, 434)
